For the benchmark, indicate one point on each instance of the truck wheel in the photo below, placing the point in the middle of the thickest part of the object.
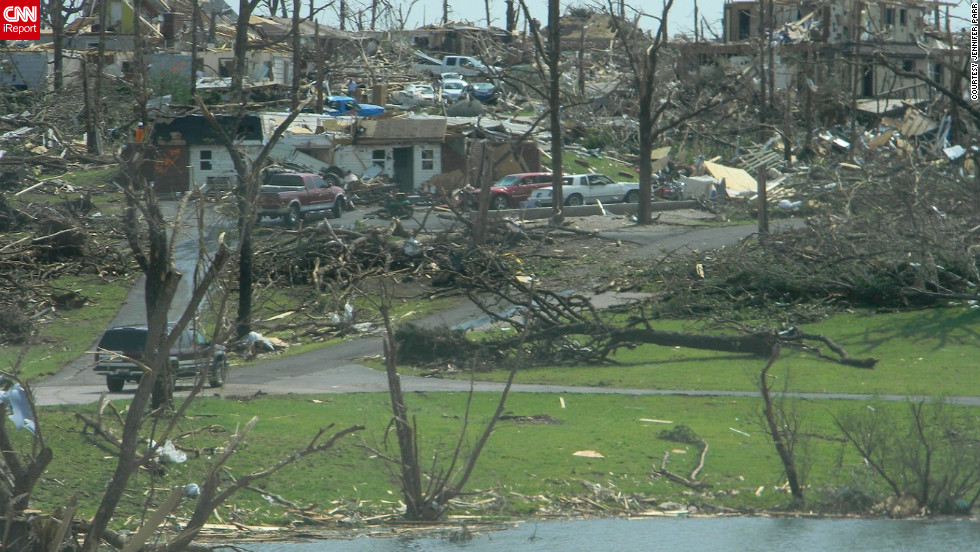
(338, 207)
(293, 217)
(114, 384)
(574, 200)
(499, 202)
(632, 196)
(219, 372)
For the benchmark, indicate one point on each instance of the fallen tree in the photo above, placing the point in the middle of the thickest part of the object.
(569, 328)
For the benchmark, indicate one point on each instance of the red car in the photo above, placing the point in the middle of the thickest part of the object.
(511, 190)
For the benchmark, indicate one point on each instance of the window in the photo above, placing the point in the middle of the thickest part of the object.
(744, 24)
(889, 16)
(205, 160)
(428, 160)
(378, 158)
(908, 65)
(901, 17)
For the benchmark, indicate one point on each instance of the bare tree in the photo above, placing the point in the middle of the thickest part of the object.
(931, 453)
(643, 62)
(57, 13)
(554, 107)
(21, 466)
(511, 25)
(549, 55)
(782, 438)
(240, 48)
(428, 502)
(155, 258)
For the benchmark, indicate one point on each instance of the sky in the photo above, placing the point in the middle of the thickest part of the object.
(681, 15)
(430, 11)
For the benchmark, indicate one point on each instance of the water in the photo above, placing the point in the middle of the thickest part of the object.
(735, 534)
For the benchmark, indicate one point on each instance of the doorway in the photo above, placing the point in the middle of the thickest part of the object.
(404, 168)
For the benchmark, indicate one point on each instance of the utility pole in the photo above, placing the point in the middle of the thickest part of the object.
(855, 77)
(763, 202)
(195, 21)
(763, 42)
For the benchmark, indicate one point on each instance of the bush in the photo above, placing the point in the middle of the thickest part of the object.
(925, 451)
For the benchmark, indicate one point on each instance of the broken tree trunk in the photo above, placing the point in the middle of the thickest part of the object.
(759, 343)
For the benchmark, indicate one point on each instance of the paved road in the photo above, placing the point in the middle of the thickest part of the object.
(336, 369)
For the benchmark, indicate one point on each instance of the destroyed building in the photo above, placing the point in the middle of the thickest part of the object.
(845, 45)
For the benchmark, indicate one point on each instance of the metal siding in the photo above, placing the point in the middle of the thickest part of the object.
(27, 69)
(162, 65)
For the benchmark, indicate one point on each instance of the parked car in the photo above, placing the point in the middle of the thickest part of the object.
(579, 189)
(121, 352)
(415, 94)
(484, 92)
(292, 196)
(452, 89)
(511, 190)
(345, 106)
(460, 64)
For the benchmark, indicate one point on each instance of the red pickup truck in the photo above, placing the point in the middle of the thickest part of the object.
(291, 196)
(511, 190)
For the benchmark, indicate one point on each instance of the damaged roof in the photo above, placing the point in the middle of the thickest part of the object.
(433, 128)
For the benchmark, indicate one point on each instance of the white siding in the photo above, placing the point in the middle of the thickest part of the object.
(358, 159)
(212, 162)
(427, 167)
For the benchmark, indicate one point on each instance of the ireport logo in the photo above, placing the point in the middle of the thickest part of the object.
(20, 19)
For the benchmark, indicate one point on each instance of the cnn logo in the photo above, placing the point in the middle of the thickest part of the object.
(20, 20)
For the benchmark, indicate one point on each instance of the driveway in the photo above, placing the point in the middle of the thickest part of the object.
(336, 369)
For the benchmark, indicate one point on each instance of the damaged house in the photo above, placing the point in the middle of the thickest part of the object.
(407, 152)
(166, 26)
(189, 155)
(851, 44)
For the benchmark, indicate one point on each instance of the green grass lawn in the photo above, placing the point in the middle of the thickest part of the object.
(67, 335)
(527, 465)
(934, 352)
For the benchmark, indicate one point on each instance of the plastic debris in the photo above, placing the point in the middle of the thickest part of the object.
(413, 247)
(255, 340)
(168, 454)
(20, 407)
(344, 317)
